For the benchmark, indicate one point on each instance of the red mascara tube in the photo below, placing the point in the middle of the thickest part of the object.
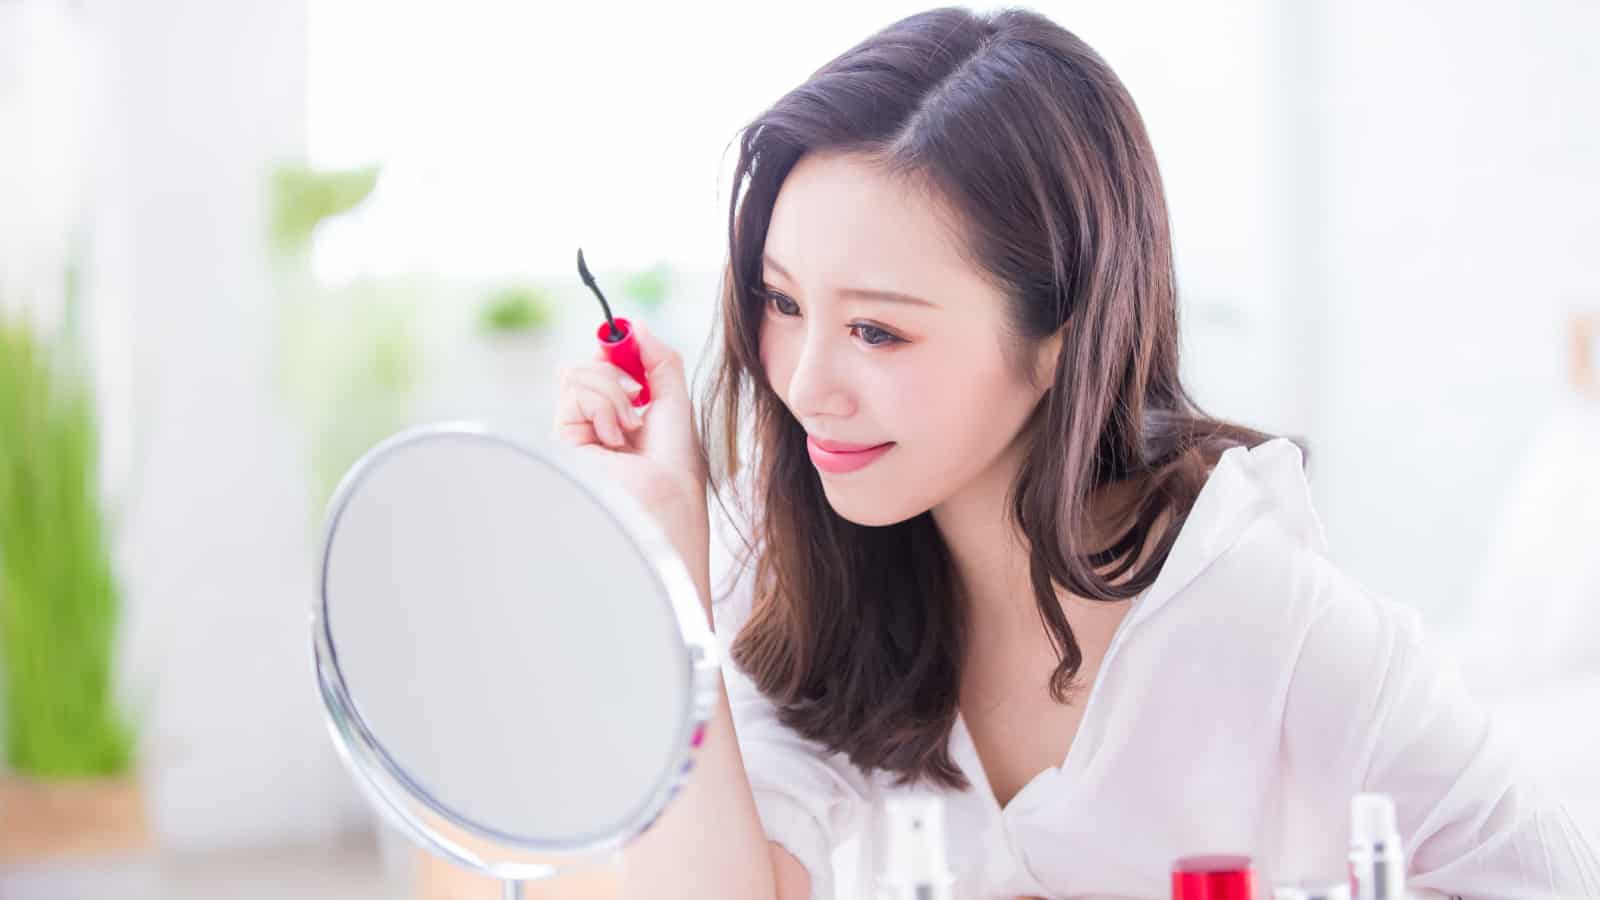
(623, 352)
(616, 339)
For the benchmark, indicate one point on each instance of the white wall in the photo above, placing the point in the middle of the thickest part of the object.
(1208, 83)
(1460, 209)
(216, 554)
(42, 149)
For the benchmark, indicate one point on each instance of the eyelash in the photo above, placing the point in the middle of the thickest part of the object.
(890, 339)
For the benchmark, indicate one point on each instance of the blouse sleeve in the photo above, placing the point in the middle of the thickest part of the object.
(1370, 697)
(810, 800)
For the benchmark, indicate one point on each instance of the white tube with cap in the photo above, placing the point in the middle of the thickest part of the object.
(1377, 861)
(916, 868)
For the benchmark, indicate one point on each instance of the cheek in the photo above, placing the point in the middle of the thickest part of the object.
(912, 400)
(965, 409)
(775, 362)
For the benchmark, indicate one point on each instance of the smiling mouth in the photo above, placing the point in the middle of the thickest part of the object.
(842, 446)
(840, 462)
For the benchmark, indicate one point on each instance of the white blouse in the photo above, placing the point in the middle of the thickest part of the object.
(1247, 695)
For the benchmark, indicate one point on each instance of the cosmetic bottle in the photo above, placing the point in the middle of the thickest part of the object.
(1377, 861)
(916, 867)
(1213, 878)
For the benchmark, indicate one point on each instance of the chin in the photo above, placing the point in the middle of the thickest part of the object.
(867, 509)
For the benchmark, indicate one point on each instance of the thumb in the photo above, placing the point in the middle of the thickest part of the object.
(663, 367)
(672, 427)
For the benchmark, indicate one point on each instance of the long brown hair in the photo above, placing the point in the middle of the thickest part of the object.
(856, 633)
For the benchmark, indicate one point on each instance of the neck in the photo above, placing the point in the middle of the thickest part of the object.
(988, 553)
(991, 557)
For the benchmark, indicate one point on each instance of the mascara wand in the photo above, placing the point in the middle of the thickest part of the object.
(616, 338)
(588, 279)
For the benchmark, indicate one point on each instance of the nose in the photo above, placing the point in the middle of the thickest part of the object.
(818, 383)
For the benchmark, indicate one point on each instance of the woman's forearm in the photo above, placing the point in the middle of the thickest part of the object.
(709, 843)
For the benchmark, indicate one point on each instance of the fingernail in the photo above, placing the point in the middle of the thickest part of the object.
(629, 385)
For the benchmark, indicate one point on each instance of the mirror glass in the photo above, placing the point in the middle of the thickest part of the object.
(513, 659)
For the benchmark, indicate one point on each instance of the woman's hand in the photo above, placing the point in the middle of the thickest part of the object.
(657, 457)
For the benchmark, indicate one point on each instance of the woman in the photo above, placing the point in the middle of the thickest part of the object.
(996, 551)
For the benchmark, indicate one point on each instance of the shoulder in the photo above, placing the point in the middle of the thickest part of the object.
(1345, 663)
(1250, 569)
(1251, 544)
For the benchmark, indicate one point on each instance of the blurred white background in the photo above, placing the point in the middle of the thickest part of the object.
(1385, 215)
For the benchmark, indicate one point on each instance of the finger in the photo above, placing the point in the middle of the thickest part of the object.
(663, 366)
(606, 379)
(567, 422)
(613, 385)
(578, 434)
(603, 415)
(610, 432)
(602, 380)
(572, 425)
(630, 385)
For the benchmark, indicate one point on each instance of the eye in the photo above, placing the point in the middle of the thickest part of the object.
(782, 304)
(873, 336)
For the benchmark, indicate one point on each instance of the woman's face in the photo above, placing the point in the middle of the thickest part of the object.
(878, 332)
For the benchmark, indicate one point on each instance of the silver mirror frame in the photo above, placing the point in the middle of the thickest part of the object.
(412, 809)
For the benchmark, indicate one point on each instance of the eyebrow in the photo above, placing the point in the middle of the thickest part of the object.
(861, 293)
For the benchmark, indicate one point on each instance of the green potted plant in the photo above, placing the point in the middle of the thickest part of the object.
(351, 358)
(516, 309)
(69, 786)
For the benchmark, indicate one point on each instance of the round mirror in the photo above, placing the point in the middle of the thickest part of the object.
(513, 660)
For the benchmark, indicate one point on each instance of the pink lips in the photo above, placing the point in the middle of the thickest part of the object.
(837, 458)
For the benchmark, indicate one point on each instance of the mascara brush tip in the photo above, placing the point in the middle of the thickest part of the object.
(588, 280)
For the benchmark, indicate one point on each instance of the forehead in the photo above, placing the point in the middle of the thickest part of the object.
(840, 221)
